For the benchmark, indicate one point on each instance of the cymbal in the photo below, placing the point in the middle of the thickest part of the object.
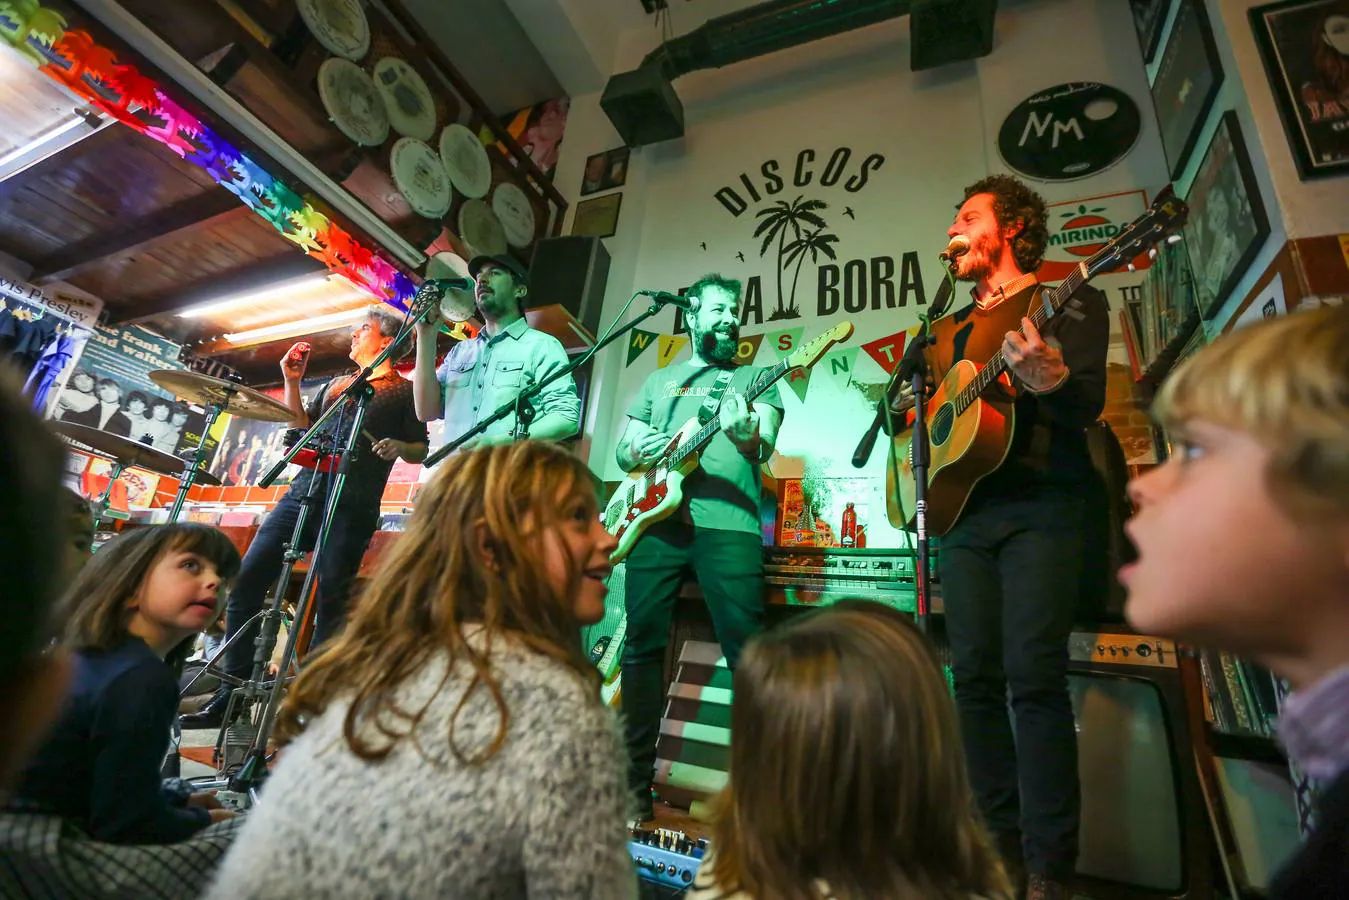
(232, 398)
(124, 450)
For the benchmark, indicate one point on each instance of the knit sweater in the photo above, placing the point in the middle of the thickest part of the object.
(543, 818)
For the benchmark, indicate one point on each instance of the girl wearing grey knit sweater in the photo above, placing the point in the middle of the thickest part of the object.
(451, 742)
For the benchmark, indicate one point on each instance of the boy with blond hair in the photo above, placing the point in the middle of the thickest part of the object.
(1243, 541)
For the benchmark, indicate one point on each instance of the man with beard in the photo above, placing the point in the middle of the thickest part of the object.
(1011, 565)
(716, 532)
(481, 375)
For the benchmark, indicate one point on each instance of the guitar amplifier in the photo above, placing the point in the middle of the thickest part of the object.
(817, 576)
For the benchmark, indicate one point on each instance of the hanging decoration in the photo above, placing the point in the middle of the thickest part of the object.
(75, 59)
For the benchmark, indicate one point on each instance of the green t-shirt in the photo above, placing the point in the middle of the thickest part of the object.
(724, 491)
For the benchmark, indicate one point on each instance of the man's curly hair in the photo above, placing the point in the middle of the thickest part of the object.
(1013, 201)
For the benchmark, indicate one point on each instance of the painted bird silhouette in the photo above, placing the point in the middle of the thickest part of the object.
(847, 211)
(740, 256)
(703, 244)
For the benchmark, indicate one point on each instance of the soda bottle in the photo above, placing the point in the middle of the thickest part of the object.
(861, 536)
(849, 531)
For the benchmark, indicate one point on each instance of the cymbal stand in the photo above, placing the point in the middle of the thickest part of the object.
(103, 502)
(189, 477)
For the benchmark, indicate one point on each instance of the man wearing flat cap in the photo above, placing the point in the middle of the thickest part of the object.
(482, 374)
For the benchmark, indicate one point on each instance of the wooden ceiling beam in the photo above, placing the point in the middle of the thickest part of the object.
(254, 276)
(207, 209)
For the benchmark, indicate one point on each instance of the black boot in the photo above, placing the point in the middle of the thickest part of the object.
(210, 715)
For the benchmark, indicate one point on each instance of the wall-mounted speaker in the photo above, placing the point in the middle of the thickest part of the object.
(571, 272)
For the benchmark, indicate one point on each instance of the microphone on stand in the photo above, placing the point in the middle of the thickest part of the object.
(959, 246)
(677, 300)
(458, 283)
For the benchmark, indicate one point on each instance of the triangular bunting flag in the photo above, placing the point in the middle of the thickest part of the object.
(887, 351)
(748, 349)
(799, 381)
(784, 341)
(838, 365)
(668, 348)
(638, 341)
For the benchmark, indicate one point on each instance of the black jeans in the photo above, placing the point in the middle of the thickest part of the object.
(338, 564)
(729, 568)
(1010, 580)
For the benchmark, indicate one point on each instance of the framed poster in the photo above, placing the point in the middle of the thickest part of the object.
(605, 170)
(1305, 48)
(1149, 16)
(1187, 82)
(1227, 223)
(597, 217)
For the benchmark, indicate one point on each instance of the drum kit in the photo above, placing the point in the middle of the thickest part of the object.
(216, 395)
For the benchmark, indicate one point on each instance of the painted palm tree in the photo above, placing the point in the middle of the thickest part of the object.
(812, 243)
(774, 223)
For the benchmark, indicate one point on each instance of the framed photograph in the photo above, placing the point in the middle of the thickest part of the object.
(597, 217)
(1227, 223)
(1149, 16)
(605, 171)
(1305, 48)
(1187, 82)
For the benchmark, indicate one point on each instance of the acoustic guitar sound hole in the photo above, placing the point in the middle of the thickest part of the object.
(941, 423)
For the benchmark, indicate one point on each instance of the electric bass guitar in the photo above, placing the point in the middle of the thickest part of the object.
(970, 426)
(654, 492)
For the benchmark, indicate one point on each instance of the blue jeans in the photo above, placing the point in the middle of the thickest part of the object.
(1011, 571)
(338, 564)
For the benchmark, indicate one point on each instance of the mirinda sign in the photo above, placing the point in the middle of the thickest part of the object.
(1079, 228)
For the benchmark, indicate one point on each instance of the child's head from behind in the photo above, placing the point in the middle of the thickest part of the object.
(1243, 534)
(161, 583)
(506, 540)
(847, 766)
(33, 539)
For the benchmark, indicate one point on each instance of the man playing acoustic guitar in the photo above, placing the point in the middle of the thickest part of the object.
(716, 532)
(1012, 562)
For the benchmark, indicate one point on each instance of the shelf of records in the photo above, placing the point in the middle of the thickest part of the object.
(1241, 706)
(1160, 323)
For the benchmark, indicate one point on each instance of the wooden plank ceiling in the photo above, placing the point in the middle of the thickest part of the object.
(123, 217)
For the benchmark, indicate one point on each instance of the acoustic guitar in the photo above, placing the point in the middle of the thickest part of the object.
(654, 492)
(971, 415)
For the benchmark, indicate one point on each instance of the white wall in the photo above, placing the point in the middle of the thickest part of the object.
(936, 132)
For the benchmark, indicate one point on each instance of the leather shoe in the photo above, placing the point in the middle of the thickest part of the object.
(210, 715)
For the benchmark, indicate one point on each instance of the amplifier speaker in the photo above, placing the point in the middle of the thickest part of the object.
(571, 272)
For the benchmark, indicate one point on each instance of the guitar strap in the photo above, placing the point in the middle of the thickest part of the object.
(712, 405)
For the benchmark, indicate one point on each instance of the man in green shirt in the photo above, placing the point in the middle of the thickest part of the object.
(716, 533)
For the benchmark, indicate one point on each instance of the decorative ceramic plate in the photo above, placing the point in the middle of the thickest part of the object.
(453, 307)
(516, 215)
(411, 108)
(339, 25)
(480, 228)
(352, 102)
(419, 177)
(466, 160)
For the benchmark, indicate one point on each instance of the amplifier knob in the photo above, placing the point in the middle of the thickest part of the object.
(1144, 650)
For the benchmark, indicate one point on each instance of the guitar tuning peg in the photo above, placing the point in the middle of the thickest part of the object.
(1133, 268)
(1173, 239)
(1152, 253)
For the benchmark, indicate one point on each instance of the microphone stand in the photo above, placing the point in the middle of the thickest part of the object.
(522, 406)
(913, 369)
(253, 770)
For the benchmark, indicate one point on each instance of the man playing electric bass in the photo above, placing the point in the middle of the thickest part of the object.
(716, 532)
(1011, 564)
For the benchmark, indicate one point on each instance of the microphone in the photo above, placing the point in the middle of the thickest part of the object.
(458, 283)
(958, 246)
(677, 300)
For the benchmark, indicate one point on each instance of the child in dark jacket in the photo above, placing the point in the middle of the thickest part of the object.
(134, 608)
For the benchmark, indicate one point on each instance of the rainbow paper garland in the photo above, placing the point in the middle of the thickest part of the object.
(74, 59)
